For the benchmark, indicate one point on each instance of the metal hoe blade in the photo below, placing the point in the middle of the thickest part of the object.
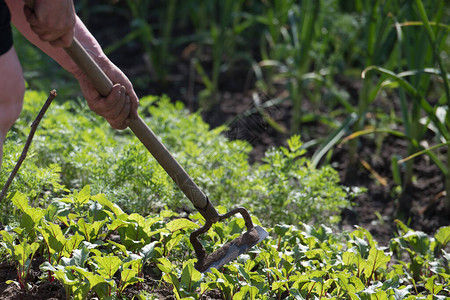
(231, 250)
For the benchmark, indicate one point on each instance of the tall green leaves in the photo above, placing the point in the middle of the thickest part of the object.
(419, 47)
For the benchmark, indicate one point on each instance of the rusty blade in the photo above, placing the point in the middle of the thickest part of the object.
(232, 250)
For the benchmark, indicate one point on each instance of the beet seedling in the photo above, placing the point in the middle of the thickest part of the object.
(22, 254)
(184, 284)
(130, 273)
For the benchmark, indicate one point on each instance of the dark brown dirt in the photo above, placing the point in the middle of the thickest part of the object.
(55, 291)
(38, 290)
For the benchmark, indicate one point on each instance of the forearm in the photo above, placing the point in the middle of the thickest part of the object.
(122, 102)
(58, 54)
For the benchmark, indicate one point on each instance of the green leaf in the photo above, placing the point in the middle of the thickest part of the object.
(190, 277)
(83, 196)
(172, 240)
(137, 218)
(246, 292)
(129, 277)
(54, 210)
(31, 216)
(350, 257)
(20, 201)
(169, 274)
(65, 276)
(116, 224)
(53, 236)
(361, 245)
(345, 284)
(391, 283)
(9, 239)
(432, 287)
(46, 266)
(165, 265)
(90, 230)
(180, 224)
(442, 236)
(446, 255)
(400, 294)
(121, 247)
(281, 230)
(295, 143)
(101, 198)
(94, 279)
(80, 257)
(377, 259)
(23, 254)
(278, 284)
(107, 266)
(148, 251)
(72, 243)
(418, 240)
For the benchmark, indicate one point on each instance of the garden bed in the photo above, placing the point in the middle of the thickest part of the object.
(240, 103)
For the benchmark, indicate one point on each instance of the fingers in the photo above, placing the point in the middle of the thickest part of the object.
(115, 108)
(64, 41)
(52, 21)
(60, 43)
(120, 106)
(120, 109)
(120, 121)
(133, 98)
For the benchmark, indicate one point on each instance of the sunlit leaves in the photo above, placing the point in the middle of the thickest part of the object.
(179, 224)
(107, 266)
(307, 262)
(31, 216)
(442, 237)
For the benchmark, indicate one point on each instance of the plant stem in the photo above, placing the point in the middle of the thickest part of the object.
(22, 157)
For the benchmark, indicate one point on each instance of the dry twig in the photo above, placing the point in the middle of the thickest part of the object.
(22, 157)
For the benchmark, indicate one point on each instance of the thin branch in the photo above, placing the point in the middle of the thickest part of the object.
(22, 157)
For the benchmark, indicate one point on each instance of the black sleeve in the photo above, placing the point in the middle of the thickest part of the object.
(5, 28)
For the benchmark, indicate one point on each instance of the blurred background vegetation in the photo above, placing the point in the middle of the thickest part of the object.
(345, 71)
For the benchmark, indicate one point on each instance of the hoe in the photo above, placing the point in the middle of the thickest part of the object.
(205, 262)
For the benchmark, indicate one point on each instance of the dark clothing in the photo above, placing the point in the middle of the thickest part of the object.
(6, 40)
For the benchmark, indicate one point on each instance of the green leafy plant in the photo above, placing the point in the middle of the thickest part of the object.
(22, 254)
(186, 284)
(305, 262)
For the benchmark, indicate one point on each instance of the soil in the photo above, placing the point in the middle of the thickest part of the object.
(376, 209)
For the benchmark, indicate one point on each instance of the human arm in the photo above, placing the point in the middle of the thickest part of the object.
(120, 104)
